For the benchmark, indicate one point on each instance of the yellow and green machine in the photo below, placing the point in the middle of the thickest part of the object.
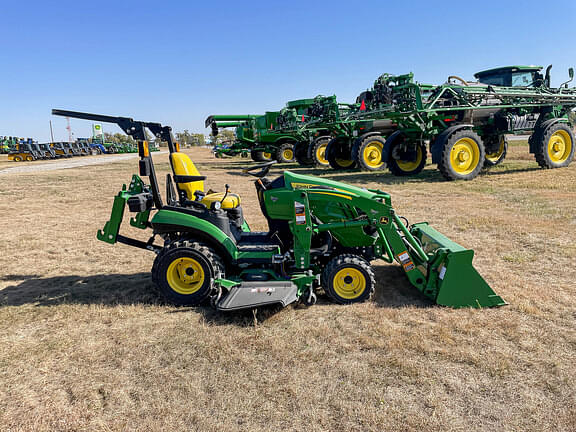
(322, 235)
(462, 124)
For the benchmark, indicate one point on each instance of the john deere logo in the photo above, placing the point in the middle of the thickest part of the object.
(384, 220)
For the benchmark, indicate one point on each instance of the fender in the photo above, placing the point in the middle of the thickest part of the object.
(169, 220)
(541, 129)
(436, 146)
(386, 150)
(335, 143)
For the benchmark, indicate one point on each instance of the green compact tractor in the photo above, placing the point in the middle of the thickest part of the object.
(322, 233)
(466, 123)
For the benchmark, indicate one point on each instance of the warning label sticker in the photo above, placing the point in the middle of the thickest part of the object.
(406, 261)
(300, 211)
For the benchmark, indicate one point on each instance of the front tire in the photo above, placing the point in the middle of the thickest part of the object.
(318, 151)
(184, 272)
(406, 159)
(348, 278)
(338, 154)
(260, 156)
(369, 153)
(285, 153)
(301, 154)
(462, 156)
(554, 146)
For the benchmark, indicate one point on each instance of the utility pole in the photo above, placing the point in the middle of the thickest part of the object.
(51, 132)
(69, 129)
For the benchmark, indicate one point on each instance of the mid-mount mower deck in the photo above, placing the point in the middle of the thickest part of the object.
(322, 233)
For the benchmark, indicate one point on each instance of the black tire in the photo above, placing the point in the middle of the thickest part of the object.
(193, 258)
(318, 151)
(259, 156)
(17, 158)
(348, 278)
(301, 154)
(496, 157)
(462, 156)
(554, 146)
(406, 159)
(285, 153)
(339, 155)
(368, 153)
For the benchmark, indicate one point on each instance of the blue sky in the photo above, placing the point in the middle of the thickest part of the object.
(176, 62)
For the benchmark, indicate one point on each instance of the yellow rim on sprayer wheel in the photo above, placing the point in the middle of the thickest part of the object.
(372, 154)
(288, 154)
(559, 146)
(410, 165)
(321, 153)
(267, 155)
(185, 275)
(349, 283)
(465, 156)
(493, 157)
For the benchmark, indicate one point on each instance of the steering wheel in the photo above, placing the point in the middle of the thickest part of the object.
(264, 169)
(457, 78)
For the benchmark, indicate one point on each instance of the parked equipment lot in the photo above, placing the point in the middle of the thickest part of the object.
(84, 341)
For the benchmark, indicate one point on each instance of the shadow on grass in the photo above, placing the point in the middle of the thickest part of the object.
(393, 290)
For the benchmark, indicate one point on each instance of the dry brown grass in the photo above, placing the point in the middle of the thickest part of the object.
(85, 344)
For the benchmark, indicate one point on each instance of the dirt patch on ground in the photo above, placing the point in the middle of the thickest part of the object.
(85, 343)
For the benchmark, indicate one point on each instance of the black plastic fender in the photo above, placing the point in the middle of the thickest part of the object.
(388, 144)
(438, 144)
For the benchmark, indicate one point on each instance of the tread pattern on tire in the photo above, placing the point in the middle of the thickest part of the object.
(317, 143)
(445, 164)
(280, 152)
(331, 155)
(301, 154)
(358, 150)
(352, 260)
(541, 138)
(210, 255)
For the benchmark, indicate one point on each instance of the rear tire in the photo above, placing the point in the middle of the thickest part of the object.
(462, 156)
(368, 153)
(339, 155)
(496, 157)
(260, 156)
(348, 278)
(17, 159)
(301, 154)
(318, 151)
(403, 161)
(285, 153)
(184, 272)
(554, 146)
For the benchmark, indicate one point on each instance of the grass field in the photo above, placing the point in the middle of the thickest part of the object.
(86, 344)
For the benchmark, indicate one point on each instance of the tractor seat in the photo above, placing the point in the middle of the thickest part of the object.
(183, 166)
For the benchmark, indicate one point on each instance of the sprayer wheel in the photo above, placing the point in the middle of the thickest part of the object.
(554, 146)
(184, 272)
(285, 153)
(318, 151)
(348, 278)
(301, 154)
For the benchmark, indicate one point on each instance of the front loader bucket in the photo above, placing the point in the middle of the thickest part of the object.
(452, 278)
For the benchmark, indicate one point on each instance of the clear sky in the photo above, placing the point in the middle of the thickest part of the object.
(176, 62)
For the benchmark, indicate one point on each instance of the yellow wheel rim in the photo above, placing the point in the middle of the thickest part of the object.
(344, 163)
(321, 154)
(185, 275)
(465, 156)
(493, 157)
(349, 283)
(559, 146)
(267, 155)
(288, 154)
(409, 166)
(372, 154)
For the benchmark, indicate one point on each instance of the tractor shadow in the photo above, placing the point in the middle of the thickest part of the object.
(392, 291)
(108, 290)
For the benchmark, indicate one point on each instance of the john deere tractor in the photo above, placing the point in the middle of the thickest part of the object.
(321, 234)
